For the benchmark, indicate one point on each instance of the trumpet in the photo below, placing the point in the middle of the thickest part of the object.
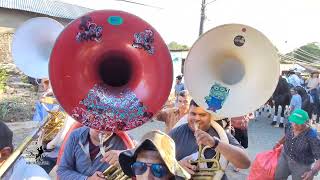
(206, 173)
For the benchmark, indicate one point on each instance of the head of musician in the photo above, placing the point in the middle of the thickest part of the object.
(154, 158)
(198, 116)
(183, 101)
(6, 147)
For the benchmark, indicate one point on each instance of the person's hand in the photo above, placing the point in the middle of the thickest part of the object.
(204, 138)
(186, 165)
(96, 176)
(168, 114)
(308, 175)
(276, 146)
(111, 157)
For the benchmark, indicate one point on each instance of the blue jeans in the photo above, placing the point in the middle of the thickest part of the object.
(315, 96)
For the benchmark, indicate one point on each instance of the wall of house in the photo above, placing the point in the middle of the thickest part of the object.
(9, 21)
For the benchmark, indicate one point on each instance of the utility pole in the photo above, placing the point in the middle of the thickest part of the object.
(203, 16)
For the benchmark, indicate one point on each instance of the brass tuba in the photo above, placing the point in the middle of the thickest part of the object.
(31, 47)
(233, 60)
(106, 68)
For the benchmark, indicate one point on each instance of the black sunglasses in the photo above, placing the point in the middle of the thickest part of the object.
(157, 170)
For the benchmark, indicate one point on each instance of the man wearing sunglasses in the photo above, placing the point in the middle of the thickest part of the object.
(154, 158)
(197, 131)
(20, 169)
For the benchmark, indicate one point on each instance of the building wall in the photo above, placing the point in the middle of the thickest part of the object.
(9, 21)
(14, 18)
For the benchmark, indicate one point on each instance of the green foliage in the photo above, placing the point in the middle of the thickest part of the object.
(3, 79)
(24, 79)
(175, 46)
(10, 106)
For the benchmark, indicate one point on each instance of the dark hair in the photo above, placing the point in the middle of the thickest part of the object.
(193, 103)
(183, 93)
(179, 77)
(5, 136)
(146, 145)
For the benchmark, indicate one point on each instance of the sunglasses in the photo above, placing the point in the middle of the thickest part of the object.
(157, 170)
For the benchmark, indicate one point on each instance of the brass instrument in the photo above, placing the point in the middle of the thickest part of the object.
(233, 60)
(51, 129)
(112, 172)
(35, 66)
(16, 154)
(115, 173)
(206, 173)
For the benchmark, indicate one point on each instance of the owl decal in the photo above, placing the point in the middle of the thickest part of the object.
(217, 96)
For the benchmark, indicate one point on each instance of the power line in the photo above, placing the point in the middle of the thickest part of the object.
(308, 54)
(142, 4)
(210, 2)
(297, 60)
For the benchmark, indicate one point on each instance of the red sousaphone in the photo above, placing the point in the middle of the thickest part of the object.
(110, 70)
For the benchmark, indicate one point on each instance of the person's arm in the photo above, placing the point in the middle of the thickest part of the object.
(66, 168)
(234, 154)
(314, 142)
(280, 142)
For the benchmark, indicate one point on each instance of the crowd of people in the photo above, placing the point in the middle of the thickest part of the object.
(168, 155)
(294, 92)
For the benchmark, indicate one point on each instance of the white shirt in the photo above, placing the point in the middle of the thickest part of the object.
(182, 120)
(21, 170)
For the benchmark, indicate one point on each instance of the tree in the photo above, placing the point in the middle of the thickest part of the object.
(175, 46)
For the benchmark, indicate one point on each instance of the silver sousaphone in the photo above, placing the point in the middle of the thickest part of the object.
(231, 71)
(32, 44)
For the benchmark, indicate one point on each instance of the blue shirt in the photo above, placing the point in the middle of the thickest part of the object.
(76, 163)
(178, 87)
(296, 102)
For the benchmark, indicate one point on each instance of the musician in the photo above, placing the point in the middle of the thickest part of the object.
(154, 158)
(301, 149)
(82, 158)
(187, 139)
(41, 112)
(20, 169)
(173, 116)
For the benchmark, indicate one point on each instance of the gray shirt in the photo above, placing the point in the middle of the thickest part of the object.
(186, 143)
(76, 163)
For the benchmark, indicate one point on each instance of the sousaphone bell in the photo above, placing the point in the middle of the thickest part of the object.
(231, 70)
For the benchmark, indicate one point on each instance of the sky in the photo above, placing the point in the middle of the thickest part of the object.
(288, 24)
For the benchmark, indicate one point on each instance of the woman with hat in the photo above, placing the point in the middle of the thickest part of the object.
(301, 149)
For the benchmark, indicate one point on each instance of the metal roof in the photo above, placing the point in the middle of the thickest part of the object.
(52, 8)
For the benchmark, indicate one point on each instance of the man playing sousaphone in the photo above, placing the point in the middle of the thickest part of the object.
(82, 158)
(188, 136)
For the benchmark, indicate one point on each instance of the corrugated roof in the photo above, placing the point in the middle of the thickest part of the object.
(46, 7)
